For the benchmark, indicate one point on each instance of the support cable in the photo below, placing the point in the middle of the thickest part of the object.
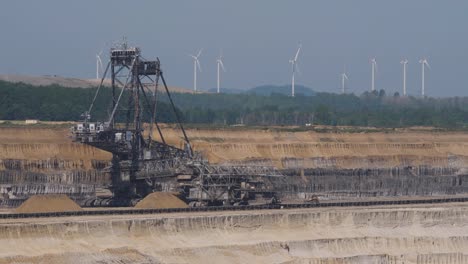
(177, 115)
(97, 92)
(155, 122)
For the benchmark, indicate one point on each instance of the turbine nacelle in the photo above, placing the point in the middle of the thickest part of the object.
(425, 63)
(196, 61)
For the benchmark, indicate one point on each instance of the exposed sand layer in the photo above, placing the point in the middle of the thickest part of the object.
(69, 82)
(161, 200)
(415, 234)
(48, 203)
(309, 149)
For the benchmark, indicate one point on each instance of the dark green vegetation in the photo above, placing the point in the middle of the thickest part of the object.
(21, 101)
(268, 90)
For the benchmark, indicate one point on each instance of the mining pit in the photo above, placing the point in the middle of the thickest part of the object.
(336, 165)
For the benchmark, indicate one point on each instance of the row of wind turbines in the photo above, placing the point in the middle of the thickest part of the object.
(344, 77)
(196, 68)
(219, 66)
(404, 62)
(295, 69)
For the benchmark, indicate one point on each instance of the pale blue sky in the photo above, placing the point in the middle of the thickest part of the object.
(258, 38)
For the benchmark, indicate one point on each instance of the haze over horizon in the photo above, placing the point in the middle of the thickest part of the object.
(257, 37)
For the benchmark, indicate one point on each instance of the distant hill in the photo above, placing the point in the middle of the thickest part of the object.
(267, 90)
(283, 89)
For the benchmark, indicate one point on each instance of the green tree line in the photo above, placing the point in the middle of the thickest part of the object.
(21, 101)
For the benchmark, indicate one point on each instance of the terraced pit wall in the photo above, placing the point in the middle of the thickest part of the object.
(341, 165)
(411, 234)
(43, 161)
(310, 149)
(336, 165)
(336, 184)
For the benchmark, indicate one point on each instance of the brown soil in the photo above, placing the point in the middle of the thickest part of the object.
(48, 203)
(161, 200)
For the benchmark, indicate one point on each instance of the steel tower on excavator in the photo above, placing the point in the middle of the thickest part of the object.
(134, 83)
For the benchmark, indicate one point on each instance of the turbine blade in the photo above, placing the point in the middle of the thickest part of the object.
(297, 68)
(100, 63)
(297, 54)
(198, 64)
(427, 64)
(222, 65)
(199, 52)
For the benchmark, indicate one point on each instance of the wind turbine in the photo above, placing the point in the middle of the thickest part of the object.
(343, 78)
(196, 64)
(404, 62)
(99, 66)
(374, 68)
(219, 63)
(294, 68)
(424, 63)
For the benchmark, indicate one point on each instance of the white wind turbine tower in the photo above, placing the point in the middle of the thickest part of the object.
(196, 64)
(404, 62)
(219, 63)
(99, 66)
(343, 78)
(374, 68)
(424, 63)
(294, 68)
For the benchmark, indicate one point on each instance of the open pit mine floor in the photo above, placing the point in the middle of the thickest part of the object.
(424, 233)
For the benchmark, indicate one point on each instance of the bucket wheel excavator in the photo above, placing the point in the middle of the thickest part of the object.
(142, 164)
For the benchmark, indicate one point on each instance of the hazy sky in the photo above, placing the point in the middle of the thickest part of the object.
(257, 37)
